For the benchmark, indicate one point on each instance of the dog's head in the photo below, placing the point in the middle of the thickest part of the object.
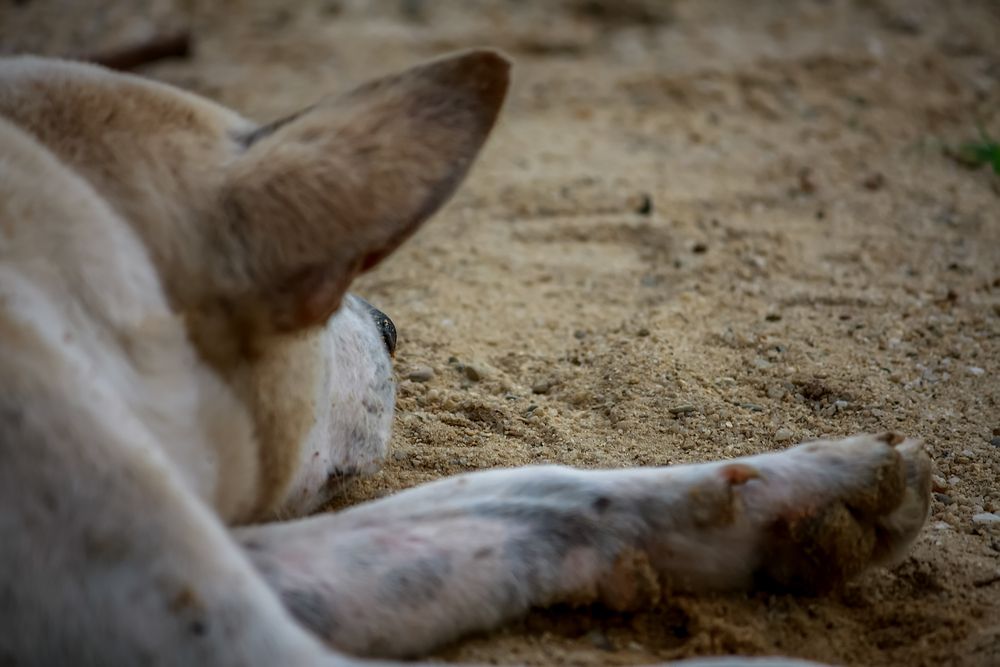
(257, 231)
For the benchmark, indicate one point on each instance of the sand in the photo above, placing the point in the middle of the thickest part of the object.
(703, 229)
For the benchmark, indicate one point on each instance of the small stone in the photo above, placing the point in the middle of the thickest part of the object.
(943, 498)
(773, 317)
(938, 483)
(995, 442)
(642, 332)
(975, 370)
(874, 182)
(699, 248)
(679, 410)
(807, 185)
(421, 374)
(783, 435)
(474, 372)
(986, 518)
(543, 386)
(579, 334)
(645, 205)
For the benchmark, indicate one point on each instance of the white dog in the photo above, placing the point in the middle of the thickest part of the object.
(180, 359)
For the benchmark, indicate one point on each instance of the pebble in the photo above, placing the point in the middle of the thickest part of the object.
(873, 182)
(543, 386)
(678, 410)
(474, 372)
(421, 374)
(645, 204)
(986, 518)
(944, 499)
(938, 483)
(995, 442)
(975, 370)
(783, 435)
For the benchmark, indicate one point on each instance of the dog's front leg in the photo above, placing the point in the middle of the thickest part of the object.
(403, 575)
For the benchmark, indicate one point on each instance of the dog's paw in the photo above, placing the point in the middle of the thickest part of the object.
(856, 502)
(805, 519)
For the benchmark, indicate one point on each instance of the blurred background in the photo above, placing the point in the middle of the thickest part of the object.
(703, 229)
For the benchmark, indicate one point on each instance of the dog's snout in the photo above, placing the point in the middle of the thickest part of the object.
(384, 325)
(386, 328)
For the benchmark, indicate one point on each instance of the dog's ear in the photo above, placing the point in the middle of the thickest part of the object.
(321, 196)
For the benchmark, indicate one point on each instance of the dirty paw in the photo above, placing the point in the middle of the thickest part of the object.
(841, 507)
(804, 519)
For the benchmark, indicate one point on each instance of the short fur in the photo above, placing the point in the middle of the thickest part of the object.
(180, 358)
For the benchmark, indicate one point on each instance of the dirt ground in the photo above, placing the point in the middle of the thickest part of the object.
(703, 229)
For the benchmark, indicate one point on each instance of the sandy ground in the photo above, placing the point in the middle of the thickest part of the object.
(703, 229)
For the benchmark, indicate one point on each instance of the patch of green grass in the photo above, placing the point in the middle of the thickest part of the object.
(977, 153)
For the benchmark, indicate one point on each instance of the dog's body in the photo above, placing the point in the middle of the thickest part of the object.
(178, 356)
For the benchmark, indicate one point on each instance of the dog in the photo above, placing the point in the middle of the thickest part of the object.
(186, 380)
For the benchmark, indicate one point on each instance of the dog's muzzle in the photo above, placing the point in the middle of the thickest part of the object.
(384, 325)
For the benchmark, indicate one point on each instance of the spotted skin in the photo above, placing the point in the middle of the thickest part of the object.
(409, 573)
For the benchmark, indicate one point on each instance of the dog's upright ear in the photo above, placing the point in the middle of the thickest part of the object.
(321, 196)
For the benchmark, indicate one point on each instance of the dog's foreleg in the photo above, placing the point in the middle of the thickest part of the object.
(403, 575)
